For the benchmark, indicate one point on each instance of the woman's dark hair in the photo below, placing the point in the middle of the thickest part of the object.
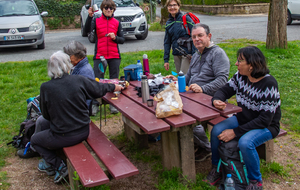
(256, 59)
(108, 3)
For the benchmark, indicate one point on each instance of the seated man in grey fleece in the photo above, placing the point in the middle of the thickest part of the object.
(208, 71)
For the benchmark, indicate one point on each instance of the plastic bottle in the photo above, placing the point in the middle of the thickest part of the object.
(146, 64)
(229, 183)
(139, 70)
(181, 82)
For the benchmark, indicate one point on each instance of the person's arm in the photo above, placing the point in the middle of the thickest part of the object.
(226, 91)
(167, 46)
(88, 23)
(120, 36)
(43, 105)
(267, 109)
(220, 66)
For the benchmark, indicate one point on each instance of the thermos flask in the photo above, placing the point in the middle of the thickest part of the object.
(181, 82)
(145, 89)
(102, 66)
(146, 64)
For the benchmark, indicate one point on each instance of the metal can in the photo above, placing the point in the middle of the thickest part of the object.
(95, 8)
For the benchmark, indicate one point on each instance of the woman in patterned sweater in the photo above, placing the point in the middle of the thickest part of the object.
(257, 94)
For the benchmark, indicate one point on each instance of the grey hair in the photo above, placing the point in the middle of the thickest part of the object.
(204, 26)
(59, 64)
(75, 48)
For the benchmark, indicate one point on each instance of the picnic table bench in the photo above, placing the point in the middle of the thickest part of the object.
(86, 162)
(266, 150)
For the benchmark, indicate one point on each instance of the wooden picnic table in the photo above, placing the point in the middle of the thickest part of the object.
(176, 131)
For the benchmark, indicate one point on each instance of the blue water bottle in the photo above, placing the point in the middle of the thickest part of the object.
(229, 183)
(139, 70)
(181, 82)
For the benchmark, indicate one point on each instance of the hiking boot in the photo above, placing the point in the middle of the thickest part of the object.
(46, 167)
(61, 173)
(202, 154)
(29, 153)
(113, 110)
(214, 177)
(254, 185)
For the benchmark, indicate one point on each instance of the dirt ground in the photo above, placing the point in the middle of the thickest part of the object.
(23, 173)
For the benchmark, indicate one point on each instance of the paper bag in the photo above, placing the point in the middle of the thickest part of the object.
(168, 102)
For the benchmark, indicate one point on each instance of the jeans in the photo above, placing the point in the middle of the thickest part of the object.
(247, 144)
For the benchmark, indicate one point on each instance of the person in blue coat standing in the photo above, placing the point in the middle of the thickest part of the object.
(175, 35)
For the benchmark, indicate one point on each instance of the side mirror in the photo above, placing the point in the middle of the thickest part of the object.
(87, 6)
(44, 13)
(137, 4)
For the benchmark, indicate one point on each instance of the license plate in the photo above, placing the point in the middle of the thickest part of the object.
(126, 25)
(13, 37)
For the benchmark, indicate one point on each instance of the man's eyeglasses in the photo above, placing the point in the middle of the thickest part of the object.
(173, 5)
(240, 60)
(106, 8)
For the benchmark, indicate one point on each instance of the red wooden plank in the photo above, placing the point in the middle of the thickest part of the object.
(198, 111)
(88, 169)
(217, 120)
(205, 100)
(143, 118)
(116, 163)
(175, 121)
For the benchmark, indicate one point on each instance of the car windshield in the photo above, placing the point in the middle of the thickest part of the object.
(17, 8)
(119, 3)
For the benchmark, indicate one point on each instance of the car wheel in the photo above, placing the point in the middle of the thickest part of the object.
(142, 36)
(83, 33)
(41, 46)
(289, 17)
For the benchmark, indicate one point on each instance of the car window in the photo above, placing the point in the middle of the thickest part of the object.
(124, 3)
(17, 8)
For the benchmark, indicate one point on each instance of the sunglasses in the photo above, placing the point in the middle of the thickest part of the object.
(106, 8)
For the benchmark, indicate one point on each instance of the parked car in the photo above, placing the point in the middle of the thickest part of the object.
(293, 12)
(131, 16)
(21, 24)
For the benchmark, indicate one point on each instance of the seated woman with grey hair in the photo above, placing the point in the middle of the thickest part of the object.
(65, 120)
(80, 62)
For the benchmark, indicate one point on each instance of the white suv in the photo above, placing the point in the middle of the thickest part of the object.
(293, 12)
(130, 15)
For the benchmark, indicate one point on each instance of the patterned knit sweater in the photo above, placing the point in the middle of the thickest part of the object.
(260, 103)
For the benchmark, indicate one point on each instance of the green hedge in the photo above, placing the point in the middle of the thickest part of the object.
(221, 2)
(58, 8)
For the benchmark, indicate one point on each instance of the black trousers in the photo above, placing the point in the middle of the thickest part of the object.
(46, 142)
(113, 67)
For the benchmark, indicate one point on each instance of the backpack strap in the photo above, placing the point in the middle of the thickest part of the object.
(185, 24)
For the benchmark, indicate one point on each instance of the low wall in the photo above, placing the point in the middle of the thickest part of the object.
(257, 8)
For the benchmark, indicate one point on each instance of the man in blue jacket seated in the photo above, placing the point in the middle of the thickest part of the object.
(208, 71)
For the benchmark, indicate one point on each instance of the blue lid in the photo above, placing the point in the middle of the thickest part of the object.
(228, 175)
(129, 67)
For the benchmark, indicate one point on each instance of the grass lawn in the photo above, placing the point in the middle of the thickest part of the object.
(21, 80)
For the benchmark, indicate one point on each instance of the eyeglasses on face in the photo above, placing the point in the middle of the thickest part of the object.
(106, 8)
(240, 60)
(173, 5)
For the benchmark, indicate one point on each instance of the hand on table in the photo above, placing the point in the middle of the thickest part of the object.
(91, 12)
(171, 77)
(219, 104)
(111, 35)
(166, 65)
(227, 135)
(118, 88)
(195, 88)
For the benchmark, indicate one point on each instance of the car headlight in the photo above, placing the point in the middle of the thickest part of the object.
(139, 15)
(35, 26)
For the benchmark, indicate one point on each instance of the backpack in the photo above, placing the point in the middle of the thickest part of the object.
(231, 161)
(193, 17)
(27, 127)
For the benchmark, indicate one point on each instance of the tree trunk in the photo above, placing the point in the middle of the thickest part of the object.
(277, 20)
(164, 13)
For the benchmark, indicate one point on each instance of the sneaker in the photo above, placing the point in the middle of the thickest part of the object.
(202, 154)
(113, 110)
(61, 173)
(46, 167)
(29, 153)
(214, 177)
(254, 185)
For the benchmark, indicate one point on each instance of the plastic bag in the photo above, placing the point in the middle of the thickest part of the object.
(169, 102)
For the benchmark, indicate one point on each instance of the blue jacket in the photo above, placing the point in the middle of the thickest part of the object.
(84, 68)
(175, 30)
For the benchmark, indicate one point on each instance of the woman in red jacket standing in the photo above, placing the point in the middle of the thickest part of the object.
(108, 34)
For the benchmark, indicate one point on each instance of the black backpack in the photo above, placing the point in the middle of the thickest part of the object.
(27, 127)
(231, 161)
